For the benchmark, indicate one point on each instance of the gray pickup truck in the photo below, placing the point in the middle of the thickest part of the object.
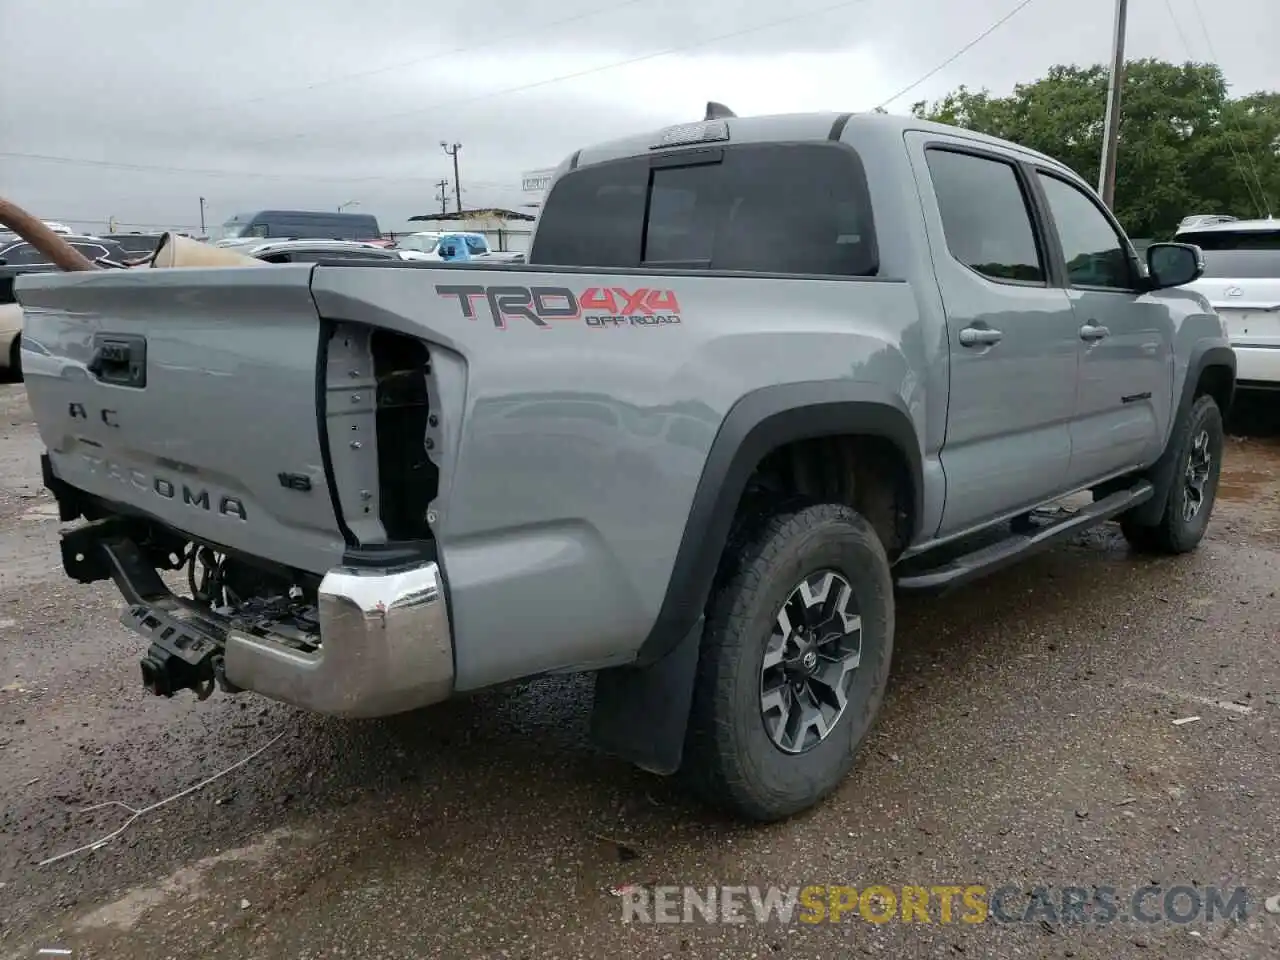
(757, 374)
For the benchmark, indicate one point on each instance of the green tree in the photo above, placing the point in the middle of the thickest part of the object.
(1185, 146)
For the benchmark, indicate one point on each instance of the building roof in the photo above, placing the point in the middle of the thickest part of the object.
(491, 213)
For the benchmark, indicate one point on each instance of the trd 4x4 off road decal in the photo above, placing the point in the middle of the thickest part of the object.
(544, 306)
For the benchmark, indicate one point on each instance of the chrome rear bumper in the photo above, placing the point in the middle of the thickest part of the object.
(386, 647)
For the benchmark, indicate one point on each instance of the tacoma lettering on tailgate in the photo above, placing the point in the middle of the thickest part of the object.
(197, 498)
(544, 306)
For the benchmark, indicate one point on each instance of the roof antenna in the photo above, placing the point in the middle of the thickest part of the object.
(717, 111)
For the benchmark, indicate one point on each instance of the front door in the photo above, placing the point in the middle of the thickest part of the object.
(1011, 334)
(1125, 392)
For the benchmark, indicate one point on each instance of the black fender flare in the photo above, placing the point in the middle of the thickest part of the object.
(640, 710)
(759, 422)
(1204, 355)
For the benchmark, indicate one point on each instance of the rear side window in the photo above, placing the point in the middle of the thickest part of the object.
(22, 253)
(767, 208)
(985, 216)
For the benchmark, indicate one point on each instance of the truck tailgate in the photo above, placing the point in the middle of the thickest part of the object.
(190, 395)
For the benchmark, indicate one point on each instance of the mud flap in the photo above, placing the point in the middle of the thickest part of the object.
(640, 712)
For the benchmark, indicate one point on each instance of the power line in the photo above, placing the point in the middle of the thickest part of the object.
(1235, 157)
(756, 28)
(1204, 28)
(403, 64)
(959, 53)
(123, 223)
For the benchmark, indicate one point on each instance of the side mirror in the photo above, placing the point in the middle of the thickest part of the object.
(1173, 264)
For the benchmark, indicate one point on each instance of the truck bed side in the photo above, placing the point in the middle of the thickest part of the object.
(567, 419)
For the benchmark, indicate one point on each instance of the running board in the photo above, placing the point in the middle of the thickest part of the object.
(980, 562)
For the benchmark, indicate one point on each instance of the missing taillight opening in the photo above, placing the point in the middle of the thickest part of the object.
(407, 478)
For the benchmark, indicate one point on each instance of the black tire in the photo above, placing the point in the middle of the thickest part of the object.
(730, 758)
(15, 360)
(1176, 532)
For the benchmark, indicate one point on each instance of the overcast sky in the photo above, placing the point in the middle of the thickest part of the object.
(312, 103)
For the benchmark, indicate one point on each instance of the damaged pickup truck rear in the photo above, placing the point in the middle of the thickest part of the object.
(757, 373)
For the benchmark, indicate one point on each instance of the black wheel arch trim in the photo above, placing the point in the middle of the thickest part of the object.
(1204, 355)
(758, 423)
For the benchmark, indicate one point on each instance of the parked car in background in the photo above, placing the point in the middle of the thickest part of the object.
(10, 337)
(313, 251)
(17, 253)
(1202, 219)
(424, 242)
(1242, 281)
(429, 245)
(18, 257)
(300, 224)
(136, 245)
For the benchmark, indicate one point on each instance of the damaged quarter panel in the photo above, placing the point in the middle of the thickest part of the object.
(578, 409)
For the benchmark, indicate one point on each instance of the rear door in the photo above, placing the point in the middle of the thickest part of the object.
(1124, 336)
(191, 395)
(1011, 334)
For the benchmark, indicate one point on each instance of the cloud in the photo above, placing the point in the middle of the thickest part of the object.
(291, 104)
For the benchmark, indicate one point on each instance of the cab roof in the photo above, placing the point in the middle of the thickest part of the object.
(792, 127)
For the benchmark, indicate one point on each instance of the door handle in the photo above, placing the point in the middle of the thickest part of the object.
(1091, 331)
(120, 360)
(979, 337)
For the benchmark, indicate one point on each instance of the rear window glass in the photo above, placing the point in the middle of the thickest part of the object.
(770, 208)
(1233, 240)
(1242, 264)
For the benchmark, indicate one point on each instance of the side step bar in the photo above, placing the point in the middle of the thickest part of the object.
(992, 557)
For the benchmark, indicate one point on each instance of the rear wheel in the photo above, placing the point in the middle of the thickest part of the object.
(794, 662)
(1198, 446)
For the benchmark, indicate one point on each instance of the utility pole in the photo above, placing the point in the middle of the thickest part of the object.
(452, 150)
(1111, 126)
(443, 195)
(202, 231)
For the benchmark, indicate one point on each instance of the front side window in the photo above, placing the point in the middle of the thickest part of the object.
(1095, 253)
(985, 216)
(761, 208)
(476, 245)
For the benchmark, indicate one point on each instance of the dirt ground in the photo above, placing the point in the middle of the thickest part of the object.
(1028, 740)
